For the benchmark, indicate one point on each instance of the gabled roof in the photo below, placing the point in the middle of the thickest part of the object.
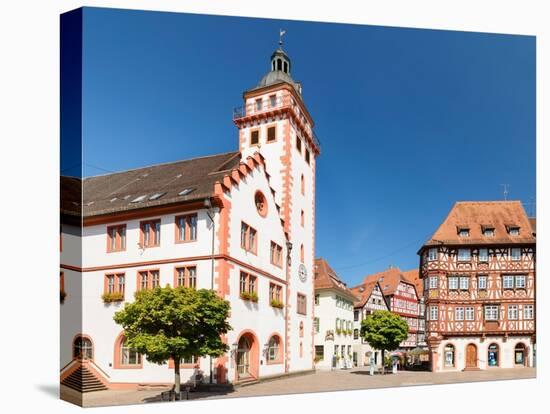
(326, 278)
(413, 276)
(389, 280)
(477, 215)
(112, 193)
(363, 292)
(70, 196)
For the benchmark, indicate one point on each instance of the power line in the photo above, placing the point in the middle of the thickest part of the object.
(415, 241)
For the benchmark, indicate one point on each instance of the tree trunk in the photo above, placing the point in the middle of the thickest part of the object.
(177, 379)
(383, 363)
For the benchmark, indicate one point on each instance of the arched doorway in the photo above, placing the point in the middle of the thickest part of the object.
(471, 356)
(520, 355)
(449, 355)
(492, 355)
(247, 357)
(83, 348)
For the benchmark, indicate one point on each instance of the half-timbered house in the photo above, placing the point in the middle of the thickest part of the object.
(402, 299)
(478, 272)
(370, 299)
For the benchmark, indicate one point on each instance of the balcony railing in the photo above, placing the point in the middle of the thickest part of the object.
(272, 104)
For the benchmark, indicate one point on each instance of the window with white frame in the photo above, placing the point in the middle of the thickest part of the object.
(508, 282)
(515, 253)
(432, 254)
(464, 283)
(483, 255)
(528, 311)
(513, 231)
(512, 312)
(434, 282)
(520, 281)
(482, 282)
(469, 313)
(491, 312)
(464, 232)
(464, 255)
(434, 313)
(459, 313)
(452, 282)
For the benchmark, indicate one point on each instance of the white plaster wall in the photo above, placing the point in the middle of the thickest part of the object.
(506, 351)
(94, 242)
(328, 312)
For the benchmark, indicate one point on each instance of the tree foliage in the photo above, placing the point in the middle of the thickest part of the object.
(177, 323)
(384, 330)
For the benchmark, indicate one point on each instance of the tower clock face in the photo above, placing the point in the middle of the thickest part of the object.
(302, 272)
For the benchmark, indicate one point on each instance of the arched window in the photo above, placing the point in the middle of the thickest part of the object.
(279, 64)
(274, 349)
(303, 184)
(285, 67)
(492, 355)
(127, 355)
(449, 355)
(301, 350)
(83, 348)
(301, 329)
(302, 253)
(519, 354)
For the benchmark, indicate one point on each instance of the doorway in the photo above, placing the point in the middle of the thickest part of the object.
(471, 356)
(247, 357)
(519, 355)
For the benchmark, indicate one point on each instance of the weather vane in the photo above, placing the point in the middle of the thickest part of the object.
(281, 34)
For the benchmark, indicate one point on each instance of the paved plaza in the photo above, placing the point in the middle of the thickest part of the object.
(319, 381)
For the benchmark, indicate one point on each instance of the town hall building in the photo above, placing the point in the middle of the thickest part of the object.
(241, 223)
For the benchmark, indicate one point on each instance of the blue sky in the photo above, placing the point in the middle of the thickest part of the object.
(410, 120)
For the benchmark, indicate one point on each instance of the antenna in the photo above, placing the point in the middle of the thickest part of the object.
(505, 191)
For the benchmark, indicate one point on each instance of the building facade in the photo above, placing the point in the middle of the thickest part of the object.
(479, 279)
(333, 323)
(401, 296)
(370, 299)
(241, 223)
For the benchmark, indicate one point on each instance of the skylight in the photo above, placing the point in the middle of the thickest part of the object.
(139, 199)
(186, 191)
(156, 196)
(113, 199)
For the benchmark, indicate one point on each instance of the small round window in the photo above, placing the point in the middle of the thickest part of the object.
(261, 203)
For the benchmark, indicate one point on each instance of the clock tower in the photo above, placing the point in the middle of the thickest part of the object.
(275, 122)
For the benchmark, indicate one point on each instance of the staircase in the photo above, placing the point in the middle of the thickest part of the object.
(83, 380)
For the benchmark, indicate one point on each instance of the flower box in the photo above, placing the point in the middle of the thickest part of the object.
(112, 297)
(277, 304)
(252, 296)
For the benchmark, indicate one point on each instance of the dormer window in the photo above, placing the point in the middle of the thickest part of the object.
(488, 231)
(463, 231)
(513, 230)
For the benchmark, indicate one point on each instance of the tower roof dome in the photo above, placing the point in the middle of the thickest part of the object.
(280, 71)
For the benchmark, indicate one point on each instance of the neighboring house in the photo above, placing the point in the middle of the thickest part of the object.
(370, 299)
(479, 282)
(402, 299)
(242, 223)
(333, 325)
(414, 276)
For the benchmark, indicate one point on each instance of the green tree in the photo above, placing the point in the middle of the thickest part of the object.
(384, 330)
(177, 323)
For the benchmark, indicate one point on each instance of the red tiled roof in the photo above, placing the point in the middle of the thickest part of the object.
(476, 215)
(389, 279)
(413, 276)
(326, 278)
(363, 292)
